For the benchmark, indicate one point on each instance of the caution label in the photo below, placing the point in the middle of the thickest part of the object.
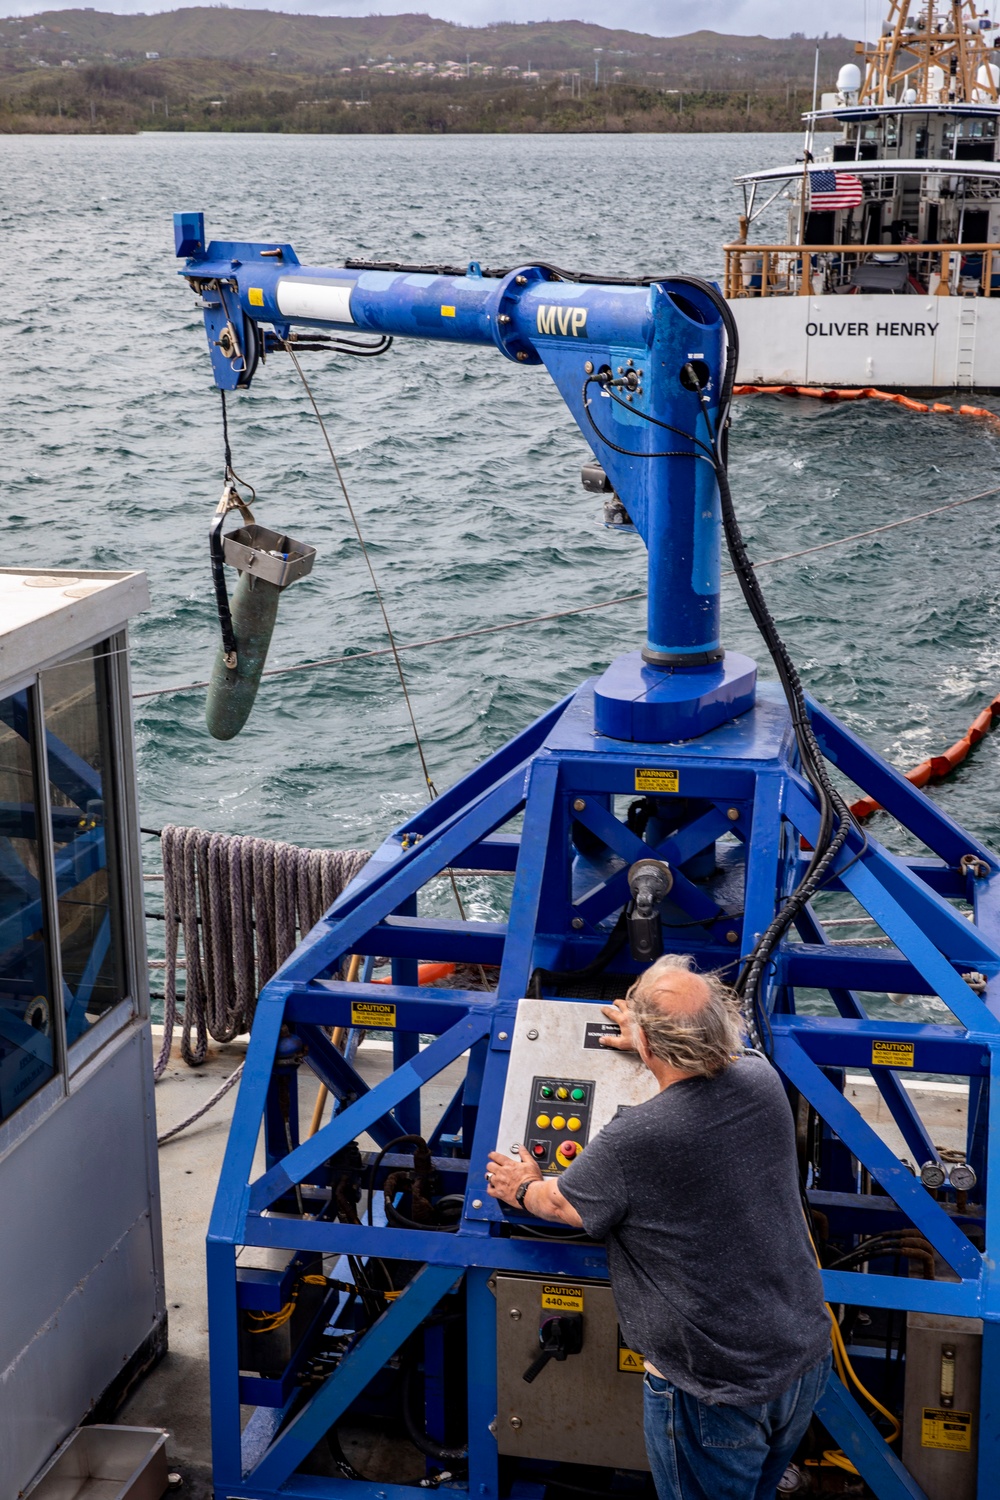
(941, 1428)
(556, 1298)
(648, 779)
(255, 296)
(892, 1054)
(629, 1362)
(372, 1013)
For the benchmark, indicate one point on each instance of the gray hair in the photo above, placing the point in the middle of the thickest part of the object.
(702, 1040)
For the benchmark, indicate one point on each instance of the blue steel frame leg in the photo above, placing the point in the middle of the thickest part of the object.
(406, 1044)
(481, 1312)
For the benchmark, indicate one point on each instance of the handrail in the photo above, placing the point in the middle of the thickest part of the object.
(870, 249)
(769, 271)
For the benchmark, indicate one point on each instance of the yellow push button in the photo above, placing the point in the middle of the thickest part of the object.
(562, 1092)
(558, 1122)
(542, 1122)
(573, 1123)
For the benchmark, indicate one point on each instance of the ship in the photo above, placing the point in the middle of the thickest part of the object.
(889, 272)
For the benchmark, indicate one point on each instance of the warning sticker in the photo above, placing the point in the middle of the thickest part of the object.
(629, 1362)
(447, 312)
(372, 1013)
(556, 1298)
(648, 779)
(941, 1428)
(892, 1054)
(255, 296)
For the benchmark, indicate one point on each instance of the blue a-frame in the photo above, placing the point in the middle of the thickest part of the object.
(739, 793)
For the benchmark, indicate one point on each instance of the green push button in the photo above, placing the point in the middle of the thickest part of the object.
(545, 1091)
(578, 1095)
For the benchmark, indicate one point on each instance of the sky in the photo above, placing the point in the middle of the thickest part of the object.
(658, 17)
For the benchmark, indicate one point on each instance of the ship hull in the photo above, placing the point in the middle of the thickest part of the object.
(926, 343)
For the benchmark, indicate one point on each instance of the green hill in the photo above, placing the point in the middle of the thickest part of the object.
(212, 68)
(703, 59)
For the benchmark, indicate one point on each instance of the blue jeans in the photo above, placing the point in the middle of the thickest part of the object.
(702, 1452)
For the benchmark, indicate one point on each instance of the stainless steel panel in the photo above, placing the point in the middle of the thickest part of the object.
(106, 1463)
(945, 1473)
(585, 1410)
(79, 1257)
(559, 1047)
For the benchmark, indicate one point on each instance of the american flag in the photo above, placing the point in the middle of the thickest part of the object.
(834, 190)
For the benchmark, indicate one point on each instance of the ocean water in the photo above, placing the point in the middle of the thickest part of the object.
(463, 468)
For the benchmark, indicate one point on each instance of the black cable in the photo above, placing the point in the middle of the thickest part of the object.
(836, 821)
(615, 942)
(414, 1431)
(399, 1140)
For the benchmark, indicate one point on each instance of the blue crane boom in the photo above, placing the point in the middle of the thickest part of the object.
(631, 363)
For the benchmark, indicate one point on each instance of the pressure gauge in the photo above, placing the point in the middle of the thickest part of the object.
(932, 1174)
(962, 1177)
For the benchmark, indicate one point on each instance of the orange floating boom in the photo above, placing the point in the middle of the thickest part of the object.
(937, 766)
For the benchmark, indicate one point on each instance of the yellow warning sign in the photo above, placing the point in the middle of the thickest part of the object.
(255, 296)
(372, 1013)
(652, 779)
(941, 1428)
(892, 1054)
(629, 1361)
(447, 312)
(556, 1298)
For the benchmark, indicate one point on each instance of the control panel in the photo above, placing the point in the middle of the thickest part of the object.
(558, 1120)
(563, 1085)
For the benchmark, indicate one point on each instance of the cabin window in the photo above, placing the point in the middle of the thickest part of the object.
(29, 1036)
(83, 801)
(891, 132)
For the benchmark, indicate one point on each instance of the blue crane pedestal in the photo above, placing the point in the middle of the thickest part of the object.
(734, 794)
(676, 754)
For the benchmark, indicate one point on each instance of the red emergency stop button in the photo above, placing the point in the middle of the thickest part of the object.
(566, 1151)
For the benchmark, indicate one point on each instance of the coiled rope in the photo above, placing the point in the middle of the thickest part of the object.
(241, 905)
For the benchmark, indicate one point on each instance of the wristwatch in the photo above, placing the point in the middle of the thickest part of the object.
(522, 1189)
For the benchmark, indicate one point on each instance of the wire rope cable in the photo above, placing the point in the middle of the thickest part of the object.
(562, 614)
(432, 791)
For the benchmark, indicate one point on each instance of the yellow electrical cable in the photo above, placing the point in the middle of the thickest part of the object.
(846, 1371)
(273, 1321)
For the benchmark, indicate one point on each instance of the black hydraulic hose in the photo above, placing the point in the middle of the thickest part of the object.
(415, 1432)
(833, 810)
(399, 1140)
(614, 944)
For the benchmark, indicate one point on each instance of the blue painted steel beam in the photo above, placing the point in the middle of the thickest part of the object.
(457, 1249)
(353, 1121)
(864, 1445)
(321, 1411)
(859, 1137)
(911, 806)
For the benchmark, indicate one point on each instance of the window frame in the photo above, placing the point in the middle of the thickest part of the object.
(73, 1063)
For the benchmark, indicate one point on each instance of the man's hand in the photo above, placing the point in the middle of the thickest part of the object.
(504, 1177)
(619, 1013)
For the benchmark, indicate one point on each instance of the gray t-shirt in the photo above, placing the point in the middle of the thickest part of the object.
(711, 1267)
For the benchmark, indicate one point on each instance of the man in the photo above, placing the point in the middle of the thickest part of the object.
(713, 1274)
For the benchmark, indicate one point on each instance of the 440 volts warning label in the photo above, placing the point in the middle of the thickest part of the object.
(941, 1428)
(892, 1054)
(372, 1013)
(655, 779)
(556, 1298)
